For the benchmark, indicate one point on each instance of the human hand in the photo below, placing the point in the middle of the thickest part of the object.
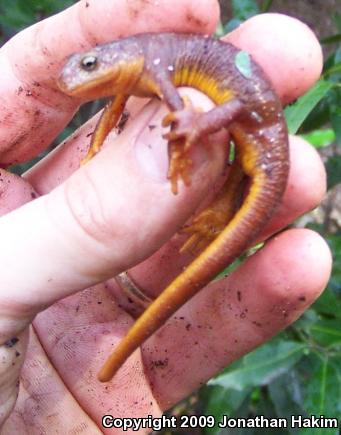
(92, 223)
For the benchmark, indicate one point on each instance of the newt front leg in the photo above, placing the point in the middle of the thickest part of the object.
(188, 126)
(108, 120)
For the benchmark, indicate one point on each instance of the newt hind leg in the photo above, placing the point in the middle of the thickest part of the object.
(210, 222)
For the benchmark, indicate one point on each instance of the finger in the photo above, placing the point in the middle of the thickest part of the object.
(135, 390)
(227, 319)
(12, 354)
(85, 231)
(42, 389)
(299, 198)
(306, 170)
(64, 160)
(286, 48)
(98, 306)
(234, 315)
(296, 186)
(76, 334)
(14, 191)
(28, 88)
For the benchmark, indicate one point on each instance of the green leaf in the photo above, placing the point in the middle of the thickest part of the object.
(333, 71)
(231, 25)
(332, 68)
(327, 332)
(305, 322)
(266, 407)
(334, 97)
(337, 56)
(320, 138)
(331, 39)
(244, 9)
(337, 20)
(333, 167)
(219, 31)
(18, 14)
(321, 388)
(298, 112)
(236, 263)
(318, 118)
(218, 401)
(286, 394)
(329, 304)
(266, 5)
(335, 281)
(335, 113)
(261, 366)
(242, 412)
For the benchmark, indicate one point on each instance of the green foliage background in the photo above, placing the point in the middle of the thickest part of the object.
(15, 15)
(299, 371)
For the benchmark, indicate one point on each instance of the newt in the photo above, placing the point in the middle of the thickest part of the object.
(154, 65)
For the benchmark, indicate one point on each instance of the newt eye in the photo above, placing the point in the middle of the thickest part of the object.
(89, 62)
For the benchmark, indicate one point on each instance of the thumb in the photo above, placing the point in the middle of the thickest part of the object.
(12, 354)
(105, 218)
(108, 216)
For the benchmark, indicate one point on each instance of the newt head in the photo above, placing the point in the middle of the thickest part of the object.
(104, 71)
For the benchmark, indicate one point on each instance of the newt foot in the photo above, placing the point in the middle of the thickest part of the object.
(181, 137)
(204, 228)
(183, 125)
(179, 164)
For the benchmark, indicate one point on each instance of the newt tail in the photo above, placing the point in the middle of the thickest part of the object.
(155, 65)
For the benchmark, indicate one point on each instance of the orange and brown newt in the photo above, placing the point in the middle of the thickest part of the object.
(150, 65)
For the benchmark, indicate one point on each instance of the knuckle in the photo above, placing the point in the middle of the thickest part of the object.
(87, 204)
